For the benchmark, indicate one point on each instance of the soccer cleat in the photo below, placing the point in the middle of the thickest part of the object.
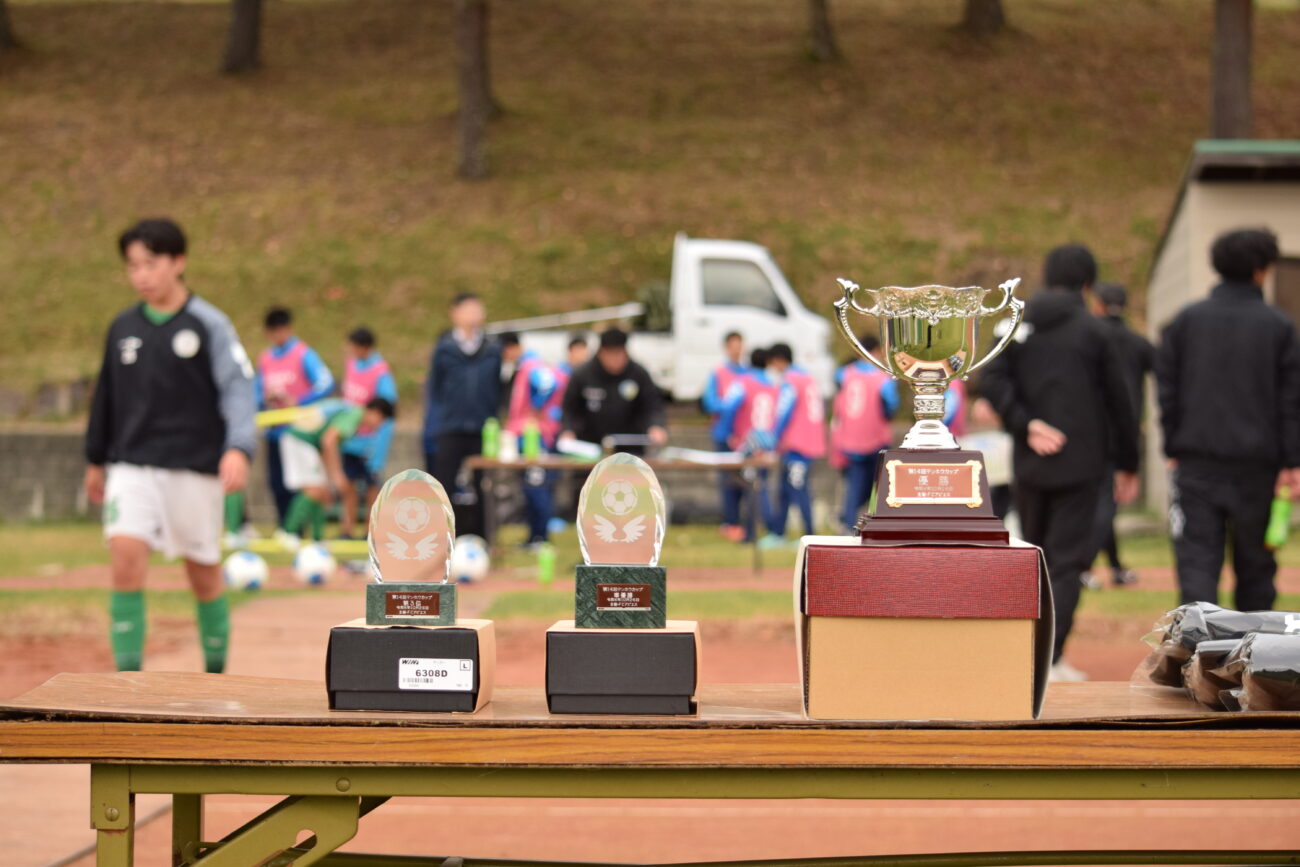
(1090, 581)
(1124, 578)
(1063, 672)
(286, 540)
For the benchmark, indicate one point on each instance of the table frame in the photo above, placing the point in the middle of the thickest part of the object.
(330, 800)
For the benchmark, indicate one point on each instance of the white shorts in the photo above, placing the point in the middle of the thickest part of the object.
(177, 512)
(301, 463)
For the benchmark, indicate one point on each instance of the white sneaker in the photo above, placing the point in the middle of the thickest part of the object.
(233, 541)
(248, 531)
(1063, 672)
(286, 540)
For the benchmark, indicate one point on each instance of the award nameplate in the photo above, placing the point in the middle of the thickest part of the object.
(412, 534)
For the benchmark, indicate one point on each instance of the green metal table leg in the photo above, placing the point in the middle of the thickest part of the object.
(187, 828)
(271, 839)
(112, 815)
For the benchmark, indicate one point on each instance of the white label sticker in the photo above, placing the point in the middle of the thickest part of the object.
(440, 675)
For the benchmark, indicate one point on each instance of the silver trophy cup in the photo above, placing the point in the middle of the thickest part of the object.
(928, 337)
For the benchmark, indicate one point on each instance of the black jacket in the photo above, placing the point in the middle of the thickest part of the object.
(176, 395)
(598, 403)
(1228, 381)
(1138, 354)
(1065, 368)
(464, 388)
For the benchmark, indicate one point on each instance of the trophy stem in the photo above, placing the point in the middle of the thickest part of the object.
(929, 432)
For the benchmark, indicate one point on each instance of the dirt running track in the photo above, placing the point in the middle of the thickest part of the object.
(43, 818)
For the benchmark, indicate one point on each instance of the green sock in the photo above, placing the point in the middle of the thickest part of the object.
(234, 511)
(214, 633)
(317, 521)
(297, 513)
(126, 629)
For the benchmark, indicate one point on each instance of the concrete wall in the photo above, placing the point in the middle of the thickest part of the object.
(41, 473)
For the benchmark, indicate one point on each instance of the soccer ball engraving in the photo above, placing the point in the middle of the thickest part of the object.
(412, 514)
(619, 497)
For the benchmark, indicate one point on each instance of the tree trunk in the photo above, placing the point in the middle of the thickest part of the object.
(984, 17)
(821, 38)
(1231, 115)
(472, 86)
(7, 39)
(243, 47)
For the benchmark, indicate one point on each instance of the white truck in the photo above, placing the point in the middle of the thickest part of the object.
(717, 287)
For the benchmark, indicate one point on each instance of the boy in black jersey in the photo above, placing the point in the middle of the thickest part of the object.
(171, 429)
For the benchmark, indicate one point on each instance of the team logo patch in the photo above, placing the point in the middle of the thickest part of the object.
(628, 389)
(130, 349)
(185, 344)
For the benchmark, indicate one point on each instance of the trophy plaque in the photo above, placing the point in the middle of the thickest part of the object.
(930, 490)
(412, 534)
(621, 520)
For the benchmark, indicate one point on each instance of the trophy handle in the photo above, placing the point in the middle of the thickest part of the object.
(842, 320)
(1017, 313)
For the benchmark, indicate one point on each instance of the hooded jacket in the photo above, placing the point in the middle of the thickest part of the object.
(1228, 380)
(1066, 368)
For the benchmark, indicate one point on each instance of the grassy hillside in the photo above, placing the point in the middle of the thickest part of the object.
(326, 182)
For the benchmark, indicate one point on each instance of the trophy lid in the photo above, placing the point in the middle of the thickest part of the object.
(412, 529)
(621, 513)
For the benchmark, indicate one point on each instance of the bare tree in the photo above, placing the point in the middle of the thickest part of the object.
(821, 37)
(984, 17)
(1231, 115)
(473, 87)
(243, 46)
(7, 39)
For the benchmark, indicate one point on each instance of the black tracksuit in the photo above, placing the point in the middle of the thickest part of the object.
(598, 403)
(465, 389)
(1228, 381)
(1066, 369)
(1139, 360)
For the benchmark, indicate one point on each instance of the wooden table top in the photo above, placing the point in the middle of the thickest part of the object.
(189, 717)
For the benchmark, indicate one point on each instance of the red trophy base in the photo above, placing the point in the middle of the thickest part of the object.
(932, 496)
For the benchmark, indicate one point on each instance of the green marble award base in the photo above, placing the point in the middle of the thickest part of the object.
(621, 597)
(411, 603)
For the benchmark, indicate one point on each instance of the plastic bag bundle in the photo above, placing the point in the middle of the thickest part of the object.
(1268, 668)
(1178, 632)
(1201, 675)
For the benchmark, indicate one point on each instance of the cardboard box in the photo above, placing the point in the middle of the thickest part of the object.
(416, 668)
(622, 671)
(918, 632)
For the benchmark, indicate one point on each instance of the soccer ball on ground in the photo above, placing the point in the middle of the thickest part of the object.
(469, 561)
(244, 570)
(313, 564)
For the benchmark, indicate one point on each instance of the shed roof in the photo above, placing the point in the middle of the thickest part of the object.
(1234, 160)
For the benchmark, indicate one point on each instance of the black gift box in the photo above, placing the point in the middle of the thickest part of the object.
(622, 671)
(363, 662)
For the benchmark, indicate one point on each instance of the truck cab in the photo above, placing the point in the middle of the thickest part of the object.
(716, 287)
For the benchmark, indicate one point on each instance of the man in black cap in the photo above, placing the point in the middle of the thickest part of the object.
(1139, 358)
(612, 394)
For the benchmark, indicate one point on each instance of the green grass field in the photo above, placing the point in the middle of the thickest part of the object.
(326, 181)
(48, 551)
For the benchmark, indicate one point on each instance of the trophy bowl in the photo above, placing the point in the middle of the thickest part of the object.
(929, 336)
